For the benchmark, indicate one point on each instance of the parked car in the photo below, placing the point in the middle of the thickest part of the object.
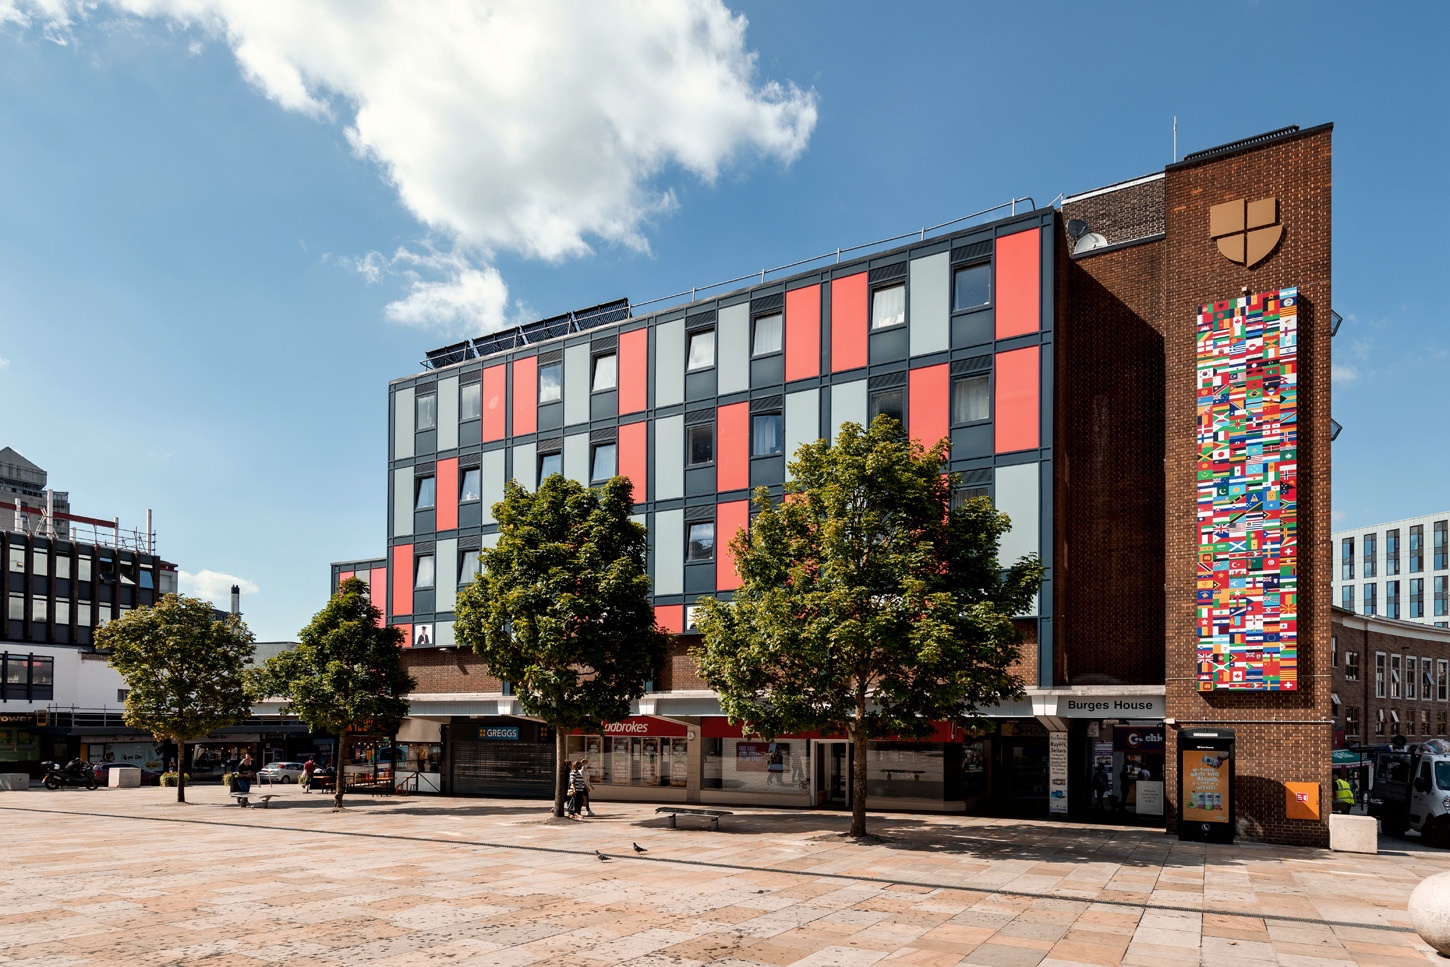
(280, 772)
(149, 777)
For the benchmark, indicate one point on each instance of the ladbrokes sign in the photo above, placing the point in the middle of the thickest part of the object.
(1246, 231)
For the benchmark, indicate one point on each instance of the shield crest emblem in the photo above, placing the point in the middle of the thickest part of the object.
(1247, 232)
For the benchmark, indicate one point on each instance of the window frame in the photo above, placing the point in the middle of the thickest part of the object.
(594, 361)
(1397, 676)
(1392, 552)
(690, 338)
(961, 381)
(755, 351)
(1412, 678)
(690, 433)
(539, 469)
(432, 400)
(779, 418)
(1352, 723)
(899, 319)
(957, 272)
(464, 392)
(1351, 665)
(1371, 598)
(1369, 548)
(431, 480)
(467, 570)
(1416, 599)
(1346, 559)
(1417, 549)
(873, 411)
(557, 385)
(691, 543)
(595, 451)
(432, 569)
(1346, 597)
(1381, 673)
(1440, 548)
(463, 491)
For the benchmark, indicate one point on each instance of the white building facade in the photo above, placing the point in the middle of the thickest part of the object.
(1399, 569)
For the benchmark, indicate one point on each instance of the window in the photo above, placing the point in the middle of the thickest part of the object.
(1397, 676)
(470, 401)
(1346, 597)
(1351, 666)
(1442, 552)
(550, 464)
(1392, 551)
(551, 383)
(121, 694)
(423, 573)
(971, 286)
(1440, 722)
(1424, 721)
(1395, 720)
(1346, 559)
(1379, 674)
(17, 606)
(889, 402)
(62, 611)
(1417, 548)
(606, 372)
(1392, 599)
(1417, 598)
(700, 444)
(38, 610)
(17, 560)
(692, 618)
(888, 307)
(765, 434)
(427, 412)
(1379, 724)
(1427, 680)
(1369, 598)
(970, 399)
(83, 568)
(469, 564)
(62, 566)
(701, 545)
(768, 332)
(471, 488)
(1412, 677)
(1442, 680)
(1351, 720)
(1442, 595)
(702, 350)
(425, 490)
(1368, 550)
(1333, 651)
(605, 462)
(39, 562)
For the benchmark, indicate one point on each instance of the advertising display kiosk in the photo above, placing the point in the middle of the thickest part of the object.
(1205, 785)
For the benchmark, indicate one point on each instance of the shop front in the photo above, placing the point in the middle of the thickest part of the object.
(500, 755)
(643, 757)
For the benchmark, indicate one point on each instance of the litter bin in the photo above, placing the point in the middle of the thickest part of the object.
(1205, 785)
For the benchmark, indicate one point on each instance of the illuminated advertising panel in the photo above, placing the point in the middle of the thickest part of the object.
(1247, 493)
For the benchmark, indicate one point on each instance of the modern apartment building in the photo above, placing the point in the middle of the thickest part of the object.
(1140, 378)
(1398, 570)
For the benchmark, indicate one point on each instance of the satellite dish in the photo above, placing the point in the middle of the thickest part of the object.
(1089, 242)
(1077, 228)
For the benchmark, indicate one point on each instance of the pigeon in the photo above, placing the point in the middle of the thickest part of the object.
(602, 857)
(638, 848)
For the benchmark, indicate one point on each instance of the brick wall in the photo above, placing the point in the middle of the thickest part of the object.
(1364, 637)
(445, 671)
(1123, 214)
(679, 672)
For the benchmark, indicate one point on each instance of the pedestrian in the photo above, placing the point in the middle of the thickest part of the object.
(308, 768)
(774, 766)
(1343, 795)
(579, 786)
(1102, 785)
(246, 771)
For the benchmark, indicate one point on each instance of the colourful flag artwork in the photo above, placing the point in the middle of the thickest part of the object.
(1247, 495)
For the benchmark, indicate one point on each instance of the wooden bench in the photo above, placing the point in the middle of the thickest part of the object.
(711, 814)
(243, 797)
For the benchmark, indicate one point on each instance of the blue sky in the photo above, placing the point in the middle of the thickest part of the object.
(225, 225)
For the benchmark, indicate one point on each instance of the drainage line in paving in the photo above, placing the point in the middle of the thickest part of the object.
(966, 888)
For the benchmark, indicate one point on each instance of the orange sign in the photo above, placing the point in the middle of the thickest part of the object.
(1301, 800)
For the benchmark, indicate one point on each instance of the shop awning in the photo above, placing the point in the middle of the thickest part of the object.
(1347, 759)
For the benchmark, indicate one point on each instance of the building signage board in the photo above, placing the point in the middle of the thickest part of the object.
(1109, 707)
(498, 733)
(1247, 570)
(1057, 773)
(1138, 738)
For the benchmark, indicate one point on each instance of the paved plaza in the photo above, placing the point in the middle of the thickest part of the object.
(128, 876)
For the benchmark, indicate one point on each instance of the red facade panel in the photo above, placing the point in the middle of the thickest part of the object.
(671, 617)
(633, 376)
(730, 518)
(402, 579)
(848, 322)
(341, 577)
(732, 447)
(526, 395)
(634, 456)
(378, 591)
(1019, 283)
(929, 399)
(446, 517)
(407, 631)
(803, 333)
(1015, 403)
(495, 385)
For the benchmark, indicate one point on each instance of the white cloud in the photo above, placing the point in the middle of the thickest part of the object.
(214, 586)
(537, 126)
(1342, 373)
(4, 362)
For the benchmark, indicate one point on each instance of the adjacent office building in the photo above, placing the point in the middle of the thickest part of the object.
(1398, 570)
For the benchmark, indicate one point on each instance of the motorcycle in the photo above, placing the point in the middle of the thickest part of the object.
(73, 773)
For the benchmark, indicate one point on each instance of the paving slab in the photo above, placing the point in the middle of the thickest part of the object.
(129, 877)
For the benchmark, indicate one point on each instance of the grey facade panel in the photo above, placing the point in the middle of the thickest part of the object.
(670, 363)
(403, 423)
(403, 496)
(669, 462)
(848, 404)
(491, 484)
(669, 545)
(445, 573)
(526, 465)
(1018, 495)
(929, 314)
(448, 413)
(732, 349)
(576, 384)
(802, 419)
(576, 457)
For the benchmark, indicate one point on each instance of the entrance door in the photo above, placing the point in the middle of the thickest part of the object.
(832, 787)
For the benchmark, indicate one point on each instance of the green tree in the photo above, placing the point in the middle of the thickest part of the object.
(183, 669)
(561, 607)
(868, 604)
(346, 674)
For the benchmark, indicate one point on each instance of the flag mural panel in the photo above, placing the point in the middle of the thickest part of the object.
(1247, 493)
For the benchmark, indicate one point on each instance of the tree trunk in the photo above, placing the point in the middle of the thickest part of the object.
(561, 772)
(180, 770)
(339, 772)
(858, 766)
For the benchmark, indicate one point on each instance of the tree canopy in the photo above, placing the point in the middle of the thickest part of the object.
(561, 607)
(869, 603)
(183, 668)
(345, 675)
